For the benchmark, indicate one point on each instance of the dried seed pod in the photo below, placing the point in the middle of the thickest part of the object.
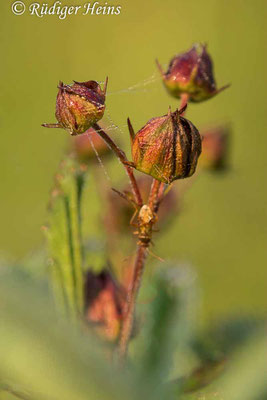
(167, 147)
(191, 73)
(79, 106)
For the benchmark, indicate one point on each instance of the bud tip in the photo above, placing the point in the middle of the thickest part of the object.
(131, 130)
(159, 67)
(105, 86)
(182, 110)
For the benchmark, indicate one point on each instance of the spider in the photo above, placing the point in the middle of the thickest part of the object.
(146, 218)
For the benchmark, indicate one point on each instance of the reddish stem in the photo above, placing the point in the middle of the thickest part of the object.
(122, 157)
(139, 266)
(127, 325)
(154, 194)
(184, 101)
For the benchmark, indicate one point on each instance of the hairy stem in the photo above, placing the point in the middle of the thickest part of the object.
(141, 253)
(154, 194)
(122, 157)
(127, 326)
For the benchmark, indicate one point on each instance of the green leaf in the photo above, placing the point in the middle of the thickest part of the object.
(64, 238)
(200, 377)
(244, 377)
(167, 328)
(47, 358)
(223, 337)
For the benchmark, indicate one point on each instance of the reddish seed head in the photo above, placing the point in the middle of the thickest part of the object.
(191, 73)
(167, 147)
(79, 106)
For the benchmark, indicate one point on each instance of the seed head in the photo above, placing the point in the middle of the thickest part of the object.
(191, 73)
(167, 147)
(79, 106)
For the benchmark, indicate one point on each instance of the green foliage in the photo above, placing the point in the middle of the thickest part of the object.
(223, 337)
(64, 237)
(46, 357)
(168, 322)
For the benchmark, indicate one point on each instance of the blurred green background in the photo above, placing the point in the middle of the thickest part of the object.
(222, 230)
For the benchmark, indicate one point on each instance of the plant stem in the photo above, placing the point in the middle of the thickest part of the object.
(122, 157)
(155, 197)
(154, 194)
(184, 101)
(141, 253)
(127, 326)
(161, 195)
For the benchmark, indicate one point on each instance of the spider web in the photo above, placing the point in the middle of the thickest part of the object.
(146, 85)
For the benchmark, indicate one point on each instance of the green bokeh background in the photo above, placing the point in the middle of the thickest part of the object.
(222, 231)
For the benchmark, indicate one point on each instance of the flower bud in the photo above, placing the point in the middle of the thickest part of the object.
(167, 147)
(191, 73)
(79, 106)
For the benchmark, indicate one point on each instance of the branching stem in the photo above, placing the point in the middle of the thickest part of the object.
(122, 157)
(156, 195)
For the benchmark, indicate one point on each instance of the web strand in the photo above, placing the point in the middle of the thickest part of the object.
(138, 87)
(98, 158)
